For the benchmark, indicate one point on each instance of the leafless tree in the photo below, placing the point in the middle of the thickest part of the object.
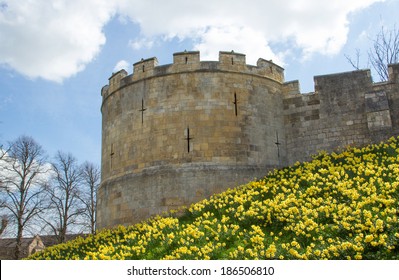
(355, 62)
(4, 219)
(91, 180)
(22, 184)
(385, 51)
(2, 155)
(63, 190)
(2, 152)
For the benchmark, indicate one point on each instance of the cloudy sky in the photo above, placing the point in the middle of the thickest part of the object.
(56, 55)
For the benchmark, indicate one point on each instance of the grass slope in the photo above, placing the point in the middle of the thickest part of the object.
(338, 206)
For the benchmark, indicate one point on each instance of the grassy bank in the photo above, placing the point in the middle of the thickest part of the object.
(337, 206)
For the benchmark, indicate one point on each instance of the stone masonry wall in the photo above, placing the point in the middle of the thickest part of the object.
(175, 134)
(346, 109)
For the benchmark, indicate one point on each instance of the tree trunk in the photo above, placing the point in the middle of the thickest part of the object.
(18, 247)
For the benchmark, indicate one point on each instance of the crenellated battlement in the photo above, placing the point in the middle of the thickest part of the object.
(189, 61)
(345, 109)
(175, 134)
(145, 68)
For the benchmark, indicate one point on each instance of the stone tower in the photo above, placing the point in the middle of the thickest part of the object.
(175, 134)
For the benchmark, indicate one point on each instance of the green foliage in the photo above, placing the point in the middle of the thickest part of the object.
(338, 206)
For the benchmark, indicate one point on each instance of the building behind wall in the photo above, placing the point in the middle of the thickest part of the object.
(175, 134)
(30, 245)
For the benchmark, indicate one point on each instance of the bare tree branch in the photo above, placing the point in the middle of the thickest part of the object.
(21, 190)
(354, 62)
(64, 190)
(385, 51)
(91, 180)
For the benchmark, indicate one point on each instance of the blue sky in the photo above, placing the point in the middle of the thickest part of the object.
(55, 56)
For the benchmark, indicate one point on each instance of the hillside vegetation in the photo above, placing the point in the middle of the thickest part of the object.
(337, 206)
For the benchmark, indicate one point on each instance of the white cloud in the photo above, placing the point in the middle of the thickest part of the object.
(56, 39)
(52, 40)
(122, 64)
(10, 171)
(234, 38)
(248, 26)
(140, 43)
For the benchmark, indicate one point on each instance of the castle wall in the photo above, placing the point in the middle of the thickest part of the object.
(176, 134)
(391, 89)
(346, 109)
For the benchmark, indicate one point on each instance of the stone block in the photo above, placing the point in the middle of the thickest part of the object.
(173, 201)
(376, 101)
(379, 120)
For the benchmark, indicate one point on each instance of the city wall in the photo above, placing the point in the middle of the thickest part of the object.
(175, 134)
(346, 109)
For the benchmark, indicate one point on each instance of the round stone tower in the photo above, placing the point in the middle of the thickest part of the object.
(175, 134)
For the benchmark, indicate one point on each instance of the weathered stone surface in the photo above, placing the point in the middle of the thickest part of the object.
(175, 134)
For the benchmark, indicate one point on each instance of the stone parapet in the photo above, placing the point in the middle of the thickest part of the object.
(175, 134)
